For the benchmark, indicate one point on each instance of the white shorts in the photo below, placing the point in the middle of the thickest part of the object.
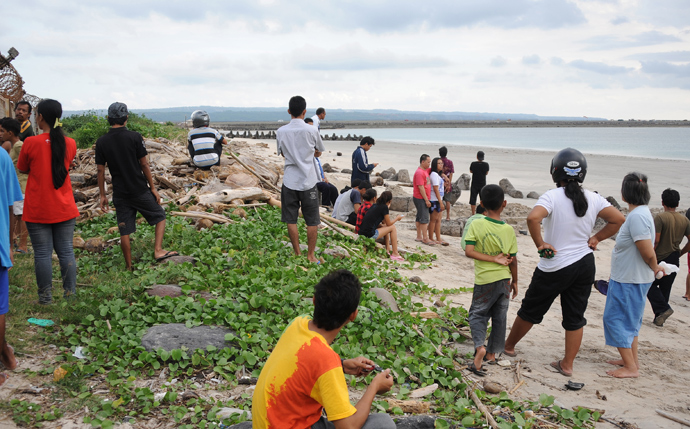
(18, 208)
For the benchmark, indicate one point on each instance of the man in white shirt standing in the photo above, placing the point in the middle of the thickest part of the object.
(320, 115)
(299, 142)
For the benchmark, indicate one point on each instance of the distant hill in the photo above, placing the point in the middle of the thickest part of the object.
(273, 114)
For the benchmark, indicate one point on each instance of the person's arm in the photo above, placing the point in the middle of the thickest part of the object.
(614, 220)
(101, 188)
(646, 250)
(657, 237)
(534, 219)
(144, 163)
(356, 206)
(11, 248)
(438, 194)
(358, 366)
(388, 222)
(685, 248)
(380, 384)
(359, 162)
(514, 274)
(501, 259)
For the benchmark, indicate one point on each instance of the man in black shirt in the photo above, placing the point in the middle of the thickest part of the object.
(479, 170)
(133, 190)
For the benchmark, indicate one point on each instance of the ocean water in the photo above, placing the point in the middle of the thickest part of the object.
(653, 142)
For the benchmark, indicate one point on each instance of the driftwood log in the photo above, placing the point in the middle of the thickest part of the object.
(227, 195)
(202, 215)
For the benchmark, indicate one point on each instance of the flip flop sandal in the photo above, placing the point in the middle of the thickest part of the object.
(445, 243)
(514, 354)
(480, 372)
(557, 366)
(169, 254)
(491, 362)
(429, 243)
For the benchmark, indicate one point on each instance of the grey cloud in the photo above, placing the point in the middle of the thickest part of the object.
(665, 13)
(620, 20)
(642, 39)
(531, 60)
(671, 56)
(354, 57)
(373, 17)
(557, 61)
(661, 67)
(498, 62)
(599, 67)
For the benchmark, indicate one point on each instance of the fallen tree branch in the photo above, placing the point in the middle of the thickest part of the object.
(481, 407)
(201, 215)
(517, 386)
(674, 418)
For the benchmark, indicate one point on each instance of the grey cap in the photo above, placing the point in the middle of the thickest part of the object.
(117, 110)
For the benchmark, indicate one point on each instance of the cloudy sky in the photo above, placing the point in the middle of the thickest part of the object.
(606, 58)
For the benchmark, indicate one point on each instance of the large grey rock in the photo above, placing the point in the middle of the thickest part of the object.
(77, 179)
(417, 422)
(509, 189)
(388, 174)
(454, 193)
(464, 181)
(534, 195)
(402, 204)
(173, 336)
(337, 252)
(386, 298)
(174, 291)
(327, 168)
(377, 181)
(452, 227)
(179, 259)
(404, 176)
(226, 412)
(613, 202)
(346, 171)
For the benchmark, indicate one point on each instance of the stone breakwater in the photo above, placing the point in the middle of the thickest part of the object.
(269, 135)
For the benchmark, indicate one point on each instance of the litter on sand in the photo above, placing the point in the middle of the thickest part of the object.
(41, 322)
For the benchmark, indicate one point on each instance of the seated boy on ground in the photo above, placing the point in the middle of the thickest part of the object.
(347, 204)
(303, 375)
(493, 246)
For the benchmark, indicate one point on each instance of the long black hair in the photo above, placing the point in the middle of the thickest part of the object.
(574, 191)
(51, 110)
(434, 166)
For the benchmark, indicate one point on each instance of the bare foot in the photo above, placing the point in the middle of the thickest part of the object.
(163, 254)
(479, 357)
(7, 357)
(490, 357)
(3, 378)
(623, 373)
(616, 362)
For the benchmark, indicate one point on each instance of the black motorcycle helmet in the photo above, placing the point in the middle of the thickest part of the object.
(568, 164)
(200, 119)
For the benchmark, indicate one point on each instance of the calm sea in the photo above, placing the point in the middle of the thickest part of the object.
(668, 143)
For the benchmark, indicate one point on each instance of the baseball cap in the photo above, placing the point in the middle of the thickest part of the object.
(480, 155)
(117, 110)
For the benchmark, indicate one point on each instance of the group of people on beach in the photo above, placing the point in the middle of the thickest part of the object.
(303, 375)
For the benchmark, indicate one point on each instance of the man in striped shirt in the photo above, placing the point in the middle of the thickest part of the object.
(205, 144)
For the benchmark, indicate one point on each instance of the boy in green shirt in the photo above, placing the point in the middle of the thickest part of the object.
(493, 246)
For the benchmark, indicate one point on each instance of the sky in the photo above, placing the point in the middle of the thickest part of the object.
(627, 59)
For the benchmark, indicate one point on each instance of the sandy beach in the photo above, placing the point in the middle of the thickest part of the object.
(665, 369)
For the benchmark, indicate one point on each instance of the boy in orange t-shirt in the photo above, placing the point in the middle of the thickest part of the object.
(303, 375)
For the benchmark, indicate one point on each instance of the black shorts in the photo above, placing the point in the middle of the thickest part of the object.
(474, 191)
(290, 202)
(573, 283)
(127, 208)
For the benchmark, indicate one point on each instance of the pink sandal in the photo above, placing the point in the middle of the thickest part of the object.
(397, 258)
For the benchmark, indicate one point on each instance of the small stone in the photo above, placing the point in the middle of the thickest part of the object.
(225, 413)
(80, 197)
(415, 279)
(523, 232)
(94, 244)
(203, 224)
(492, 387)
(346, 171)
(173, 291)
(240, 212)
(339, 154)
(386, 298)
(113, 230)
(78, 242)
(439, 303)
(337, 252)
(533, 195)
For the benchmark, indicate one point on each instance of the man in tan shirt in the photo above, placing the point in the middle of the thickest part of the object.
(670, 228)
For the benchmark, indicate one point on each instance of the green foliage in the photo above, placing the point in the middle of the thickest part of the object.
(87, 127)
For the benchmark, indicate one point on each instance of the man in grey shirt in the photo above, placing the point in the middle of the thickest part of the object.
(299, 142)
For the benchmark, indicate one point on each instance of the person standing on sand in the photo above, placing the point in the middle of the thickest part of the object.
(299, 143)
(9, 132)
(22, 112)
(687, 279)
(479, 170)
(124, 153)
(633, 268)
(448, 171)
(671, 227)
(9, 193)
(566, 267)
(421, 192)
(360, 163)
(320, 116)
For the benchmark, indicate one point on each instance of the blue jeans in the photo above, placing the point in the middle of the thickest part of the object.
(45, 237)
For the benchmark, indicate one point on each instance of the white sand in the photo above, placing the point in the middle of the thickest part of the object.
(665, 367)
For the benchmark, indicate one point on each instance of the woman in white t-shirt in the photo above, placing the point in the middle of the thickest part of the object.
(436, 200)
(566, 267)
(633, 267)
